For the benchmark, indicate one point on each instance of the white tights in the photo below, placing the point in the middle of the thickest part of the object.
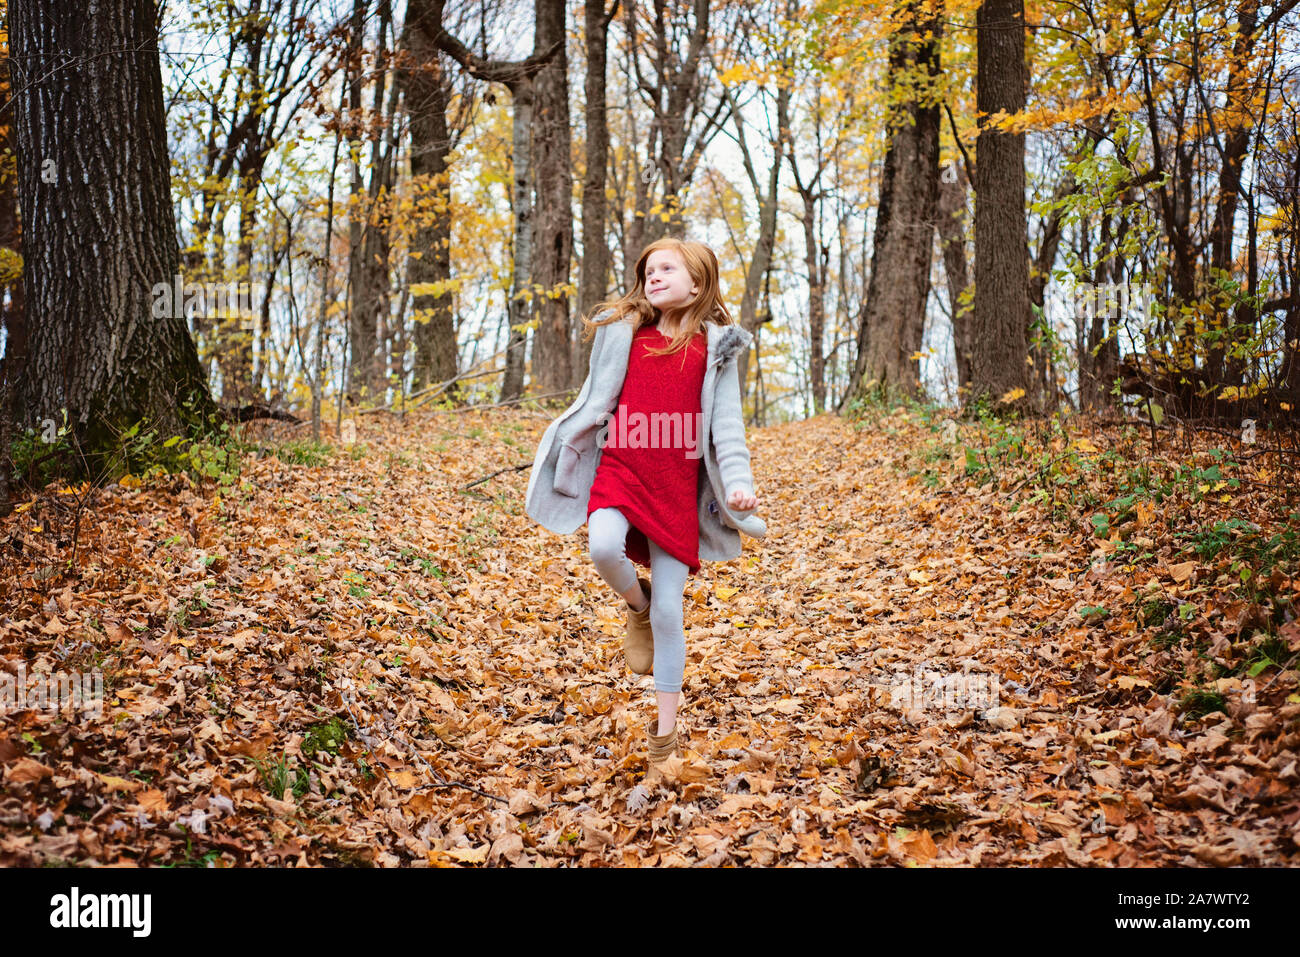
(607, 539)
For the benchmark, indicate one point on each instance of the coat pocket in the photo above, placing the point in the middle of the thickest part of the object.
(567, 469)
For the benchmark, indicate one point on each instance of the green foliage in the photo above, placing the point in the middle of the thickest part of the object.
(1199, 702)
(1208, 543)
(1000, 443)
(304, 452)
(38, 455)
(327, 736)
(278, 775)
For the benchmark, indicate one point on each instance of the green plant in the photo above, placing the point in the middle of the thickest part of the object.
(328, 736)
(304, 452)
(35, 455)
(207, 860)
(1270, 652)
(1207, 543)
(1199, 702)
(1093, 614)
(1155, 611)
(277, 776)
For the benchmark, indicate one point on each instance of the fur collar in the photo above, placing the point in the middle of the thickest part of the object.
(727, 341)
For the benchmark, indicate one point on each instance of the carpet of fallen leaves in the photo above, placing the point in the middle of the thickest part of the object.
(366, 662)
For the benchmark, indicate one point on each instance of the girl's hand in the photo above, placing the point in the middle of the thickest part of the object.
(741, 501)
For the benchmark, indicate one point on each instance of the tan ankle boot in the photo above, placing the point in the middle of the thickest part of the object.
(663, 745)
(639, 643)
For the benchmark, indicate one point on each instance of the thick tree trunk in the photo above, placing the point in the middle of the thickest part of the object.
(594, 277)
(99, 232)
(999, 347)
(429, 267)
(553, 249)
(893, 315)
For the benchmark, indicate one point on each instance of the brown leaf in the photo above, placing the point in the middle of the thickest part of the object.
(25, 771)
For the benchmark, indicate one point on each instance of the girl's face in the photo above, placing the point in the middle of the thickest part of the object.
(667, 283)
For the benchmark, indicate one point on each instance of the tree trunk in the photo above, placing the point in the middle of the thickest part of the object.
(592, 284)
(372, 292)
(13, 315)
(1221, 369)
(951, 226)
(429, 266)
(999, 347)
(767, 199)
(363, 338)
(101, 257)
(816, 261)
(553, 249)
(519, 309)
(893, 315)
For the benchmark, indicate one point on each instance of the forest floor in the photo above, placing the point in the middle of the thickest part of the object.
(347, 657)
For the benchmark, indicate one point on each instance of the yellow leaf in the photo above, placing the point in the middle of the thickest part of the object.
(1012, 396)
(1128, 682)
(470, 855)
(115, 783)
(1083, 445)
(724, 593)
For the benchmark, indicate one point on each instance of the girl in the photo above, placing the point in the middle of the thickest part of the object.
(669, 495)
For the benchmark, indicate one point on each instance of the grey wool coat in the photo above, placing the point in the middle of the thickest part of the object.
(565, 465)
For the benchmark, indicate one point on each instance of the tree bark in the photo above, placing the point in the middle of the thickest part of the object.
(429, 265)
(892, 319)
(552, 368)
(368, 259)
(816, 261)
(594, 276)
(999, 346)
(99, 228)
(951, 226)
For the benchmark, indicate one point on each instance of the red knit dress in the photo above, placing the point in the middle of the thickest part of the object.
(655, 488)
